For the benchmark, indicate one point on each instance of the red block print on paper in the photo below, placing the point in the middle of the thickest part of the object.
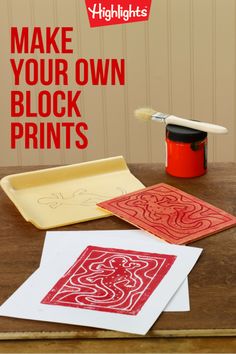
(169, 213)
(111, 280)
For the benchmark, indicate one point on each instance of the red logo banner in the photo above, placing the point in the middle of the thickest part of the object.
(106, 12)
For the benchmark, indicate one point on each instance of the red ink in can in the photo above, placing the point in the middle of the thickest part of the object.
(186, 151)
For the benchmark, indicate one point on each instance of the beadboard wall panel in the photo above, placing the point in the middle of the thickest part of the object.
(6, 155)
(181, 61)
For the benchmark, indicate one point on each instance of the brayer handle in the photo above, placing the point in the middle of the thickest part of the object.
(205, 127)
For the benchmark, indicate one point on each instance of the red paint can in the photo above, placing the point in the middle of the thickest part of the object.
(186, 151)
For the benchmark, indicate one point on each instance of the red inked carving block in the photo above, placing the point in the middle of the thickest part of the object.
(110, 280)
(169, 213)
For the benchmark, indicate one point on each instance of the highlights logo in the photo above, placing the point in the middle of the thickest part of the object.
(104, 12)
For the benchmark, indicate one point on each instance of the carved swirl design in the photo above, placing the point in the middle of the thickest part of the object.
(169, 213)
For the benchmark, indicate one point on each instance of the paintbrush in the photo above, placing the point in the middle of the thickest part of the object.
(150, 114)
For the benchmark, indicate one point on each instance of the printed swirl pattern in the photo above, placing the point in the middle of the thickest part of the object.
(110, 280)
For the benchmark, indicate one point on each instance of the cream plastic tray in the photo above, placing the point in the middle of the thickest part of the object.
(66, 195)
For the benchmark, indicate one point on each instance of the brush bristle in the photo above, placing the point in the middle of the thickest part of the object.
(144, 113)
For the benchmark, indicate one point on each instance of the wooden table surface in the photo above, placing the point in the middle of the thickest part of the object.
(211, 282)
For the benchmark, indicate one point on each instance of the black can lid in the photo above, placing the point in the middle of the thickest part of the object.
(183, 134)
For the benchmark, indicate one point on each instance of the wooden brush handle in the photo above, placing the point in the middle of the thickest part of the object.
(205, 127)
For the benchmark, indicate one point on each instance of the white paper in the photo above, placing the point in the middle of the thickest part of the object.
(25, 302)
(64, 244)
